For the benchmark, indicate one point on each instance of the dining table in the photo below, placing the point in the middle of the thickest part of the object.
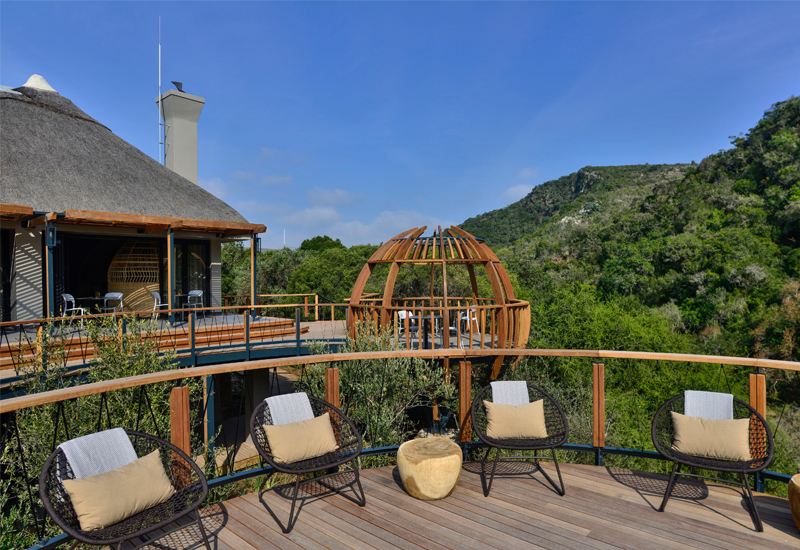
(86, 299)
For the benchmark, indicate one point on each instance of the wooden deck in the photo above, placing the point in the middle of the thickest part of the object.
(604, 508)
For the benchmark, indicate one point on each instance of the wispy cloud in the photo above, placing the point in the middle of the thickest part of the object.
(517, 192)
(215, 186)
(241, 175)
(527, 173)
(276, 180)
(331, 197)
(269, 152)
(311, 218)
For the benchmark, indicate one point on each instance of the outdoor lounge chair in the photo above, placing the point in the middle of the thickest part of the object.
(104, 454)
(197, 295)
(515, 394)
(722, 407)
(297, 407)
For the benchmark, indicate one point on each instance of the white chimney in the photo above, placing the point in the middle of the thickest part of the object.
(181, 111)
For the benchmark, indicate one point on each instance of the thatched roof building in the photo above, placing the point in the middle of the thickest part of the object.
(54, 157)
(73, 194)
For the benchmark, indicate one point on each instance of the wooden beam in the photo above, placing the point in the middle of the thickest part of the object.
(179, 420)
(758, 393)
(464, 400)
(152, 228)
(598, 405)
(40, 220)
(15, 211)
(332, 386)
(253, 297)
(142, 221)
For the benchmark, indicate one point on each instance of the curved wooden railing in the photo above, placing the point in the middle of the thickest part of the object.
(180, 424)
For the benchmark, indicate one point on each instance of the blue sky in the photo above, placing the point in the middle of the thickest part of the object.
(359, 120)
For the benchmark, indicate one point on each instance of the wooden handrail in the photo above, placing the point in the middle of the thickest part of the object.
(27, 401)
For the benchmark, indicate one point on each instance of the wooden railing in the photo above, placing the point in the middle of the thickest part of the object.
(22, 342)
(495, 326)
(245, 299)
(180, 424)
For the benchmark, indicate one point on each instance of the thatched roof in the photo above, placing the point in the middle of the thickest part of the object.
(54, 157)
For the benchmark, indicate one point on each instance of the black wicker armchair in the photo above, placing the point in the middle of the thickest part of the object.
(348, 440)
(187, 479)
(557, 433)
(762, 448)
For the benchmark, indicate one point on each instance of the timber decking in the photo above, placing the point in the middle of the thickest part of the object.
(604, 509)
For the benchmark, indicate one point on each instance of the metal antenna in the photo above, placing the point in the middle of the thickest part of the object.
(160, 109)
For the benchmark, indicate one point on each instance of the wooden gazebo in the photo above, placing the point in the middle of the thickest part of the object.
(497, 321)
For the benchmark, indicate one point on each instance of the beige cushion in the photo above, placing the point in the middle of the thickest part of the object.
(106, 499)
(721, 439)
(301, 440)
(516, 421)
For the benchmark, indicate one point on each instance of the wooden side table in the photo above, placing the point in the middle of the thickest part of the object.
(429, 468)
(794, 498)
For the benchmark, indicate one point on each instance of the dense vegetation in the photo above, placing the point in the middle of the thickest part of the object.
(698, 258)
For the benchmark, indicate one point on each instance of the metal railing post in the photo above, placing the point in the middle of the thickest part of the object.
(192, 327)
(297, 328)
(247, 337)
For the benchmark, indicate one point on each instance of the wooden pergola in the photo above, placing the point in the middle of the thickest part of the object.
(143, 224)
(505, 320)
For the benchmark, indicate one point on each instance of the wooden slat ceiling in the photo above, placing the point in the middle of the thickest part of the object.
(459, 247)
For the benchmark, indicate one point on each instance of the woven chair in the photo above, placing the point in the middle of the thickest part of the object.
(187, 479)
(557, 433)
(762, 448)
(347, 438)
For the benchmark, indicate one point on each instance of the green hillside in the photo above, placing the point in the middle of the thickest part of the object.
(577, 195)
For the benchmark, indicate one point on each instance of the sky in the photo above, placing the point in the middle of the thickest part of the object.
(359, 120)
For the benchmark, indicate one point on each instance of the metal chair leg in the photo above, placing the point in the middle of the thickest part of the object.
(752, 503)
(360, 488)
(202, 530)
(670, 486)
(562, 491)
(494, 467)
(290, 524)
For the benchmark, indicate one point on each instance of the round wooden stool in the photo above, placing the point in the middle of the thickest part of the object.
(794, 498)
(429, 467)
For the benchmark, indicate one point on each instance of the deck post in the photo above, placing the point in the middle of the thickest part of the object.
(246, 337)
(297, 328)
(758, 400)
(464, 400)
(50, 243)
(598, 411)
(305, 305)
(171, 274)
(192, 327)
(332, 386)
(316, 307)
(253, 301)
(179, 423)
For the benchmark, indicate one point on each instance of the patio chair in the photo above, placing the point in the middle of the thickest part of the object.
(401, 319)
(113, 296)
(110, 450)
(294, 409)
(756, 438)
(198, 295)
(519, 393)
(68, 298)
(157, 305)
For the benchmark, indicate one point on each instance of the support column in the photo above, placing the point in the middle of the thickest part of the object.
(465, 400)
(171, 273)
(179, 422)
(332, 386)
(50, 243)
(758, 400)
(253, 299)
(598, 409)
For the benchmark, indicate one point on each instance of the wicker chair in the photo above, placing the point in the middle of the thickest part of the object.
(557, 433)
(187, 479)
(347, 437)
(762, 448)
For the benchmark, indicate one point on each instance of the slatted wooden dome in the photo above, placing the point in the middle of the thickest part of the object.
(499, 320)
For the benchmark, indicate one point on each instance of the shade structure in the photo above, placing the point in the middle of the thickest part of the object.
(498, 320)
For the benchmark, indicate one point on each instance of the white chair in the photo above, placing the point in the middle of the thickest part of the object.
(199, 303)
(112, 296)
(157, 304)
(470, 318)
(66, 310)
(401, 318)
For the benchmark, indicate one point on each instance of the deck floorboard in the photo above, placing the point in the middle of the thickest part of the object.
(604, 509)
